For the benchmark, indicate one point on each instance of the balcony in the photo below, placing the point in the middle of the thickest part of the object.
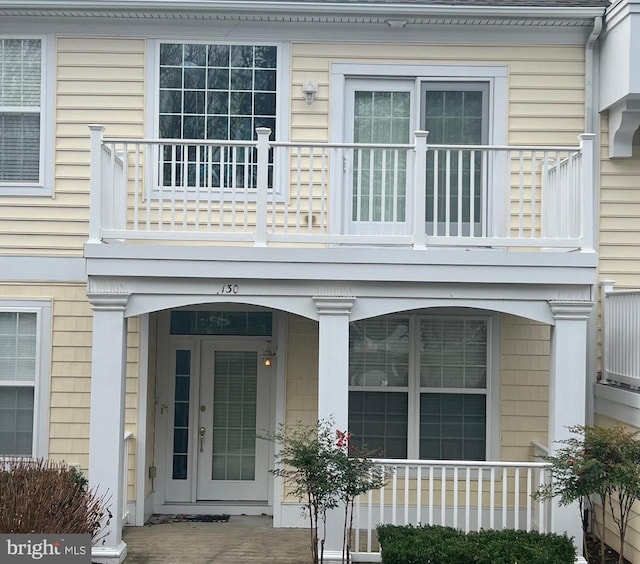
(265, 193)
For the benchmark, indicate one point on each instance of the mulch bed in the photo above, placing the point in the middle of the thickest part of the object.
(610, 555)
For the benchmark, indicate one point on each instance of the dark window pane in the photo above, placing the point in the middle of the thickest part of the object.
(240, 103)
(218, 128)
(179, 467)
(378, 421)
(241, 79)
(183, 360)
(195, 55)
(171, 54)
(218, 79)
(264, 104)
(265, 80)
(266, 57)
(194, 102)
(170, 127)
(193, 127)
(170, 101)
(170, 78)
(180, 441)
(241, 56)
(181, 416)
(218, 55)
(240, 128)
(194, 78)
(218, 103)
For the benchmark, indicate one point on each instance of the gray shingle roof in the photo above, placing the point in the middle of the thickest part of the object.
(511, 3)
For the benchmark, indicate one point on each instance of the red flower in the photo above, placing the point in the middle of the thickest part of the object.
(343, 438)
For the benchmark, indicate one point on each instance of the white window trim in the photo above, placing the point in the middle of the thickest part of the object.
(496, 76)
(492, 437)
(42, 379)
(44, 186)
(283, 88)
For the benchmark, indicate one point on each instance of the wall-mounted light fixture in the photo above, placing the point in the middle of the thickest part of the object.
(268, 356)
(310, 91)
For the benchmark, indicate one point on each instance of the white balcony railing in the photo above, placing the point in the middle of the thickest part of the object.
(263, 192)
(621, 335)
(124, 492)
(465, 495)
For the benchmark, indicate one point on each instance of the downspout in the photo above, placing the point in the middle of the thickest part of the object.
(592, 125)
(589, 72)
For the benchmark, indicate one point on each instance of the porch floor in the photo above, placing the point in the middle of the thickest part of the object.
(244, 539)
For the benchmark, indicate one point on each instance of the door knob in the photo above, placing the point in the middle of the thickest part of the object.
(202, 433)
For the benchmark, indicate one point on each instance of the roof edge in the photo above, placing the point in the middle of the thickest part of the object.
(302, 8)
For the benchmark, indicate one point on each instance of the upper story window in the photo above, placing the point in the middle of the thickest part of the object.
(214, 92)
(24, 359)
(21, 115)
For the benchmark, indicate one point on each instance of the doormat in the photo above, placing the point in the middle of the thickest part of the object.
(158, 519)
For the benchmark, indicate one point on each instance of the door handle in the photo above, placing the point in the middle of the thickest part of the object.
(202, 433)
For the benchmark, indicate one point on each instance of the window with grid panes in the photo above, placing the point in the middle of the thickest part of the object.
(20, 111)
(418, 386)
(214, 92)
(18, 373)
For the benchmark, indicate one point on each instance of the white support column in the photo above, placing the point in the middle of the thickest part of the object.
(567, 399)
(106, 434)
(333, 388)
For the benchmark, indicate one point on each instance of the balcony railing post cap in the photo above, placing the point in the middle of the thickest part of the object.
(263, 130)
(421, 133)
(96, 127)
(587, 136)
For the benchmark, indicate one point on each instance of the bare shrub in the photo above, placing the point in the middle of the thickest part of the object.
(47, 497)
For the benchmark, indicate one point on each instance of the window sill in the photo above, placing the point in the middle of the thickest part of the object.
(26, 190)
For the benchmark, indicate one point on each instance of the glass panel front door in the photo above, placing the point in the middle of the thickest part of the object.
(233, 411)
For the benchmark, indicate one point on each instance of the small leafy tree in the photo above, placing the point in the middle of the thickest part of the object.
(598, 463)
(324, 470)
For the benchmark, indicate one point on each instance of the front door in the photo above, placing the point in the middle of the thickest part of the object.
(233, 411)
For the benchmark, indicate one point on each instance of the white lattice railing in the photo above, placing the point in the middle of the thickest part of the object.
(466, 495)
(262, 192)
(621, 335)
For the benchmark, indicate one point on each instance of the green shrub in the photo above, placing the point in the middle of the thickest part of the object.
(444, 545)
(40, 496)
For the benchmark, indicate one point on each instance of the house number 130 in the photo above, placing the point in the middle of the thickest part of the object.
(229, 289)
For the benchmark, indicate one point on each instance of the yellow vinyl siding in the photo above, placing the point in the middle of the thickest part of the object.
(97, 80)
(632, 540)
(539, 76)
(619, 214)
(70, 389)
(524, 386)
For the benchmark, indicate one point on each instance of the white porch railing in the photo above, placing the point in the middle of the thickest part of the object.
(621, 335)
(124, 492)
(465, 495)
(262, 192)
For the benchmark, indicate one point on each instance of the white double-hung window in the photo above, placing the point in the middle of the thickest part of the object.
(25, 328)
(214, 92)
(21, 115)
(420, 386)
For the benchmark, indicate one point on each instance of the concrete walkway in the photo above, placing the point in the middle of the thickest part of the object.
(244, 539)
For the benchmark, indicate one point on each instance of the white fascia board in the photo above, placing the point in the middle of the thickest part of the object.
(306, 8)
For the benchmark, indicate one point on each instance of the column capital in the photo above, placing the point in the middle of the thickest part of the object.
(576, 310)
(107, 295)
(327, 305)
(334, 300)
